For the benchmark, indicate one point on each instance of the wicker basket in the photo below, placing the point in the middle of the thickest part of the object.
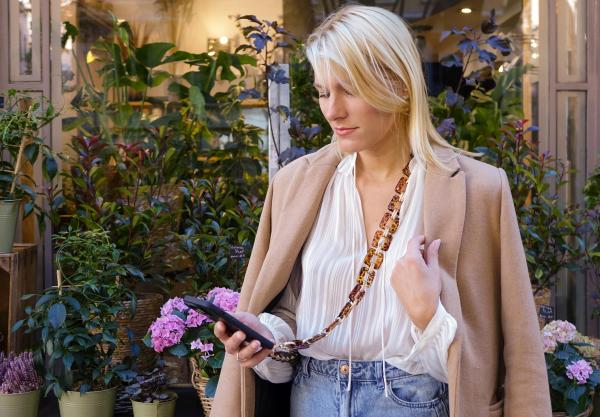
(148, 309)
(199, 383)
(586, 413)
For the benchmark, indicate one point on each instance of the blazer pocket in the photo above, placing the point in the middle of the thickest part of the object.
(497, 409)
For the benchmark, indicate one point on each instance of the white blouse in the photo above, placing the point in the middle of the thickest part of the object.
(379, 328)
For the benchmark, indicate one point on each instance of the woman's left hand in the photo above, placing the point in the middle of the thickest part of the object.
(417, 280)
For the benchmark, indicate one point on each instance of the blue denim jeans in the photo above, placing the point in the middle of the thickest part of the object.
(320, 387)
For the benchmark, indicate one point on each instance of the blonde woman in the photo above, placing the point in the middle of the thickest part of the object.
(388, 264)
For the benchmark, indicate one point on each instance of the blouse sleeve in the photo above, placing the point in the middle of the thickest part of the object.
(432, 343)
(281, 321)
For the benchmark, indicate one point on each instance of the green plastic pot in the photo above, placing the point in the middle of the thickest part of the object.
(9, 210)
(20, 405)
(156, 408)
(90, 404)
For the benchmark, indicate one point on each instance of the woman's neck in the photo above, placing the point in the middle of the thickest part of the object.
(383, 163)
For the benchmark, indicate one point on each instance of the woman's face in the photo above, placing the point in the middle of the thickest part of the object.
(358, 126)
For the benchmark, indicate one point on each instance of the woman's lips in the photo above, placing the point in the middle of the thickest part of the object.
(344, 131)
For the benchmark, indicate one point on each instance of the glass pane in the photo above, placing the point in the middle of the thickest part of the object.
(531, 56)
(25, 21)
(571, 148)
(571, 40)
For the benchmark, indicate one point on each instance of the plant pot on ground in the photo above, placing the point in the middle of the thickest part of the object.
(89, 404)
(21, 147)
(77, 321)
(20, 386)
(149, 395)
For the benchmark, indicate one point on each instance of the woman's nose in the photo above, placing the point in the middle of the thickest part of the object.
(334, 108)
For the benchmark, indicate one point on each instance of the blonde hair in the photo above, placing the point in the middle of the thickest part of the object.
(371, 52)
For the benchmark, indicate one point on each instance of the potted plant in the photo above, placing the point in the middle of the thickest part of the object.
(149, 395)
(20, 143)
(184, 332)
(78, 326)
(573, 374)
(20, 385)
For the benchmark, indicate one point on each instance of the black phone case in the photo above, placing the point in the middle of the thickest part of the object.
(232, 323)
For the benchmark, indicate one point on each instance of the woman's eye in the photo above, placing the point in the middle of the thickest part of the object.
(323, 95)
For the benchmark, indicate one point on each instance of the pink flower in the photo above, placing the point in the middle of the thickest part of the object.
(549, 341)
(175, 303)
(225, 298)
(580, 371)
(195, 319)
(166, 331)
(206, 348)
(560, 330)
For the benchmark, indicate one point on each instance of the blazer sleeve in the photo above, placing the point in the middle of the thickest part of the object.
(228, 400)
(281, 321)
(526, 390)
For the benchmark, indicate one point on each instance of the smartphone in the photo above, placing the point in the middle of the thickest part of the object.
(232, 323)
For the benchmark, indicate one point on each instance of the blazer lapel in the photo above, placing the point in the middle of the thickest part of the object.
(291, 225)
(444, 215)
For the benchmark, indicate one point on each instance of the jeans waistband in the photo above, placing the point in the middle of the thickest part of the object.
(361, 370)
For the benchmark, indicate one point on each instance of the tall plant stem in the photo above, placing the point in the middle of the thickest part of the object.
(18, 163)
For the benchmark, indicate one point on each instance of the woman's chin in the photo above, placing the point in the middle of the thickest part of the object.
(349, 146)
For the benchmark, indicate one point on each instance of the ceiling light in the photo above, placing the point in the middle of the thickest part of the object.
(466, 10)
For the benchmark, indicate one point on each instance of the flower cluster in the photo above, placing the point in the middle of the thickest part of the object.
(166, 331)
(570, 362)
(224, 298)
(580, 371)
(557, 331)
(185, 332)
(17, 374)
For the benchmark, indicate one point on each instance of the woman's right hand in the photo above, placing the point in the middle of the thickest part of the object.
(247, 354)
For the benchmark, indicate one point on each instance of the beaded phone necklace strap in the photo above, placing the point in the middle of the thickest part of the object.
(288, 351)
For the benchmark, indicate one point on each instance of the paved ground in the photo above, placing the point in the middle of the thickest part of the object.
(188, 405)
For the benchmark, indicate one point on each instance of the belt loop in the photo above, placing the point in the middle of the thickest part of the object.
(305, 362)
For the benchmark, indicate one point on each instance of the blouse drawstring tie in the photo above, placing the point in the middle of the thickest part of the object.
(382, 322)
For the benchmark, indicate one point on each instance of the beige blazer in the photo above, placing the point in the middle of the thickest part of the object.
(495, 364)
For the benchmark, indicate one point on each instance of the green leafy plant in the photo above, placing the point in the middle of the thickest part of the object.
(21, 144)
(125, 168)
(551, 232)
(591, 193)
(219, 232)
(77, 320)
(483, 101)
(131, 191)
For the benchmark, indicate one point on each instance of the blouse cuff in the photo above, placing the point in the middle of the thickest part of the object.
(269, 369)
(433, 327)
(430, 350)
